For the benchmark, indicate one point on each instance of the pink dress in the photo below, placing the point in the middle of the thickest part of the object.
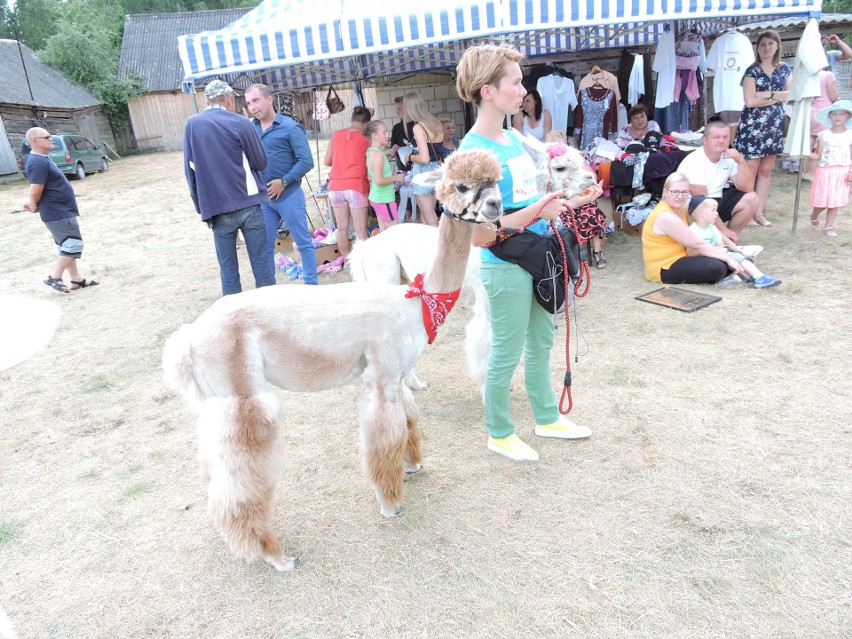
(826, 78)
(830, 189)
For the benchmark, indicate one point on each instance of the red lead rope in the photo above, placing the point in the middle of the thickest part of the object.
(586, 275)
(570, 220)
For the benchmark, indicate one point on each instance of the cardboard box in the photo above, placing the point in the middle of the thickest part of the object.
(621, 224)
(284, 243)
(327, 253)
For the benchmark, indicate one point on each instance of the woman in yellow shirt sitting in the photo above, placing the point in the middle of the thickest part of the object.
(666, 239)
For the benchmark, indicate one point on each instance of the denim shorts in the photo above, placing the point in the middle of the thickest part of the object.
(417, 169)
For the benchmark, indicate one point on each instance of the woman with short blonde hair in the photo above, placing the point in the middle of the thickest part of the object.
(490, 76)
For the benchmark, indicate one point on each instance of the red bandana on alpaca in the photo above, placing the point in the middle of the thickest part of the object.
(436, 306)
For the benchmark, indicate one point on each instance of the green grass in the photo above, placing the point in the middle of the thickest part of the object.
(8, 531)
(124, 473)
(99, 384)
(134, 491)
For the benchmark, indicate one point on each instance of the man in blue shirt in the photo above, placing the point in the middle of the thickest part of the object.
(843, 51)
(52, 197)
(290, 158)
(223, 158)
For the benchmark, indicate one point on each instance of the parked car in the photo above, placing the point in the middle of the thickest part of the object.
(73, 154)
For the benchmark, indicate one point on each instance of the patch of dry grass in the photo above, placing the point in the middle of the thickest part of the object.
(713, 500)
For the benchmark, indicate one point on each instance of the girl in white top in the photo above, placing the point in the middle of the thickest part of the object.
(832, 177)
(533, 119)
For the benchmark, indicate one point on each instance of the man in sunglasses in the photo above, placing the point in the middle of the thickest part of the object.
(52, 197)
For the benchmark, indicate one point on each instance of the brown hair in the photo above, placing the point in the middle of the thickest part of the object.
(481, 65)
(636, 109)
(265, 91)
(361, 115)
(772, 35)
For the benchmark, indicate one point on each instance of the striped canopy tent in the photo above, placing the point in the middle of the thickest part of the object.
(307, 43)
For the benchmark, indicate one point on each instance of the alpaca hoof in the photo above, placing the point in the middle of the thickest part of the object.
(282, 563)
(396, 511)
(410, 469)
(414, 383)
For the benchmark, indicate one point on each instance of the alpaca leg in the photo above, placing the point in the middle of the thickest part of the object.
(413, 455)
(414, 383)
(238, 447)
(383, 443)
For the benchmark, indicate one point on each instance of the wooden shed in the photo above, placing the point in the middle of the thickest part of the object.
(149, 51)
(33, 93)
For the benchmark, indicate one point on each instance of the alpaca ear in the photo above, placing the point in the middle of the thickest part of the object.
(429, 179)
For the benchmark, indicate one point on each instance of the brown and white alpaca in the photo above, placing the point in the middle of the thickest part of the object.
(311, 338)
(404, 250)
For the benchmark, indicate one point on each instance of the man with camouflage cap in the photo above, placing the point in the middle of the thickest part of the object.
(223, 158)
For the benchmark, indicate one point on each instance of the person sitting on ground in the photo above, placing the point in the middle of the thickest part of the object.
(637, 126)
(708, 171)
(667, 241)
(704, 212)
(533, 119)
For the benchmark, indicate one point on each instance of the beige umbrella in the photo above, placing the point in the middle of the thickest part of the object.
(810, 60)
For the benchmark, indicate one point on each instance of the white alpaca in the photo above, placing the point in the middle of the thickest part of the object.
(309, 338)
(404, 250)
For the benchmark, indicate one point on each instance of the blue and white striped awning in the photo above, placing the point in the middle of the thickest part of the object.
(303, 43)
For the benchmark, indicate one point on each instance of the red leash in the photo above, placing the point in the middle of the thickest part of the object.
(586, 275)
(570, 220)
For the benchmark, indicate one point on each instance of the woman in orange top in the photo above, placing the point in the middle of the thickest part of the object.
(666, 239)
(348, 183)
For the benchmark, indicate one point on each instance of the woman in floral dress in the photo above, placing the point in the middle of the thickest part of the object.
(760, 136)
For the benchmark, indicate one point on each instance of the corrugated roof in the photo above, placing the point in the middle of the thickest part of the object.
(49, 86)
(828, 21)
(149, 48)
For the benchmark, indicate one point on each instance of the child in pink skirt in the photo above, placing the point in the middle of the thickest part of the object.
(830, 189)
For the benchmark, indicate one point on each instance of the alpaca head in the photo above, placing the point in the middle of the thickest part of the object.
(567, 170)
(466, 186)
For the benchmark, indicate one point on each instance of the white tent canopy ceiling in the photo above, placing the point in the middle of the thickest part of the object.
(299, 44)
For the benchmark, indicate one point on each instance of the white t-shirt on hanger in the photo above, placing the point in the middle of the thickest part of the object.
(664, 65)
(729, 58)
(636, 83)
(557, 96)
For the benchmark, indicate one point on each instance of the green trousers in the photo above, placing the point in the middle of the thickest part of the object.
(518, 324)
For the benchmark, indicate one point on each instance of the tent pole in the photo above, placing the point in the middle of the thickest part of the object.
(798, 193)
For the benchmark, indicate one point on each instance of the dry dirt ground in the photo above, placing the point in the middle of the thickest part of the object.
(713, 500)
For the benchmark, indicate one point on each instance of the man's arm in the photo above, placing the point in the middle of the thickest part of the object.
(34, 197)
(845, 49)
(302, 150)
(189, 167)
(743, 179)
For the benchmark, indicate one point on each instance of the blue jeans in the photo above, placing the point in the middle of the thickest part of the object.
(225, 226)
(290, 207)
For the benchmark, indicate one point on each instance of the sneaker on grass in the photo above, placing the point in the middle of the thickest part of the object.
(728, 282)
(512, 447)
(766, 281)
(563, 428)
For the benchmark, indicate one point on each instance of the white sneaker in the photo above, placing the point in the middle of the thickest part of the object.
(563, 428)
(512, 447)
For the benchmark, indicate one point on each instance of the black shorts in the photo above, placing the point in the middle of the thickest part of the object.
(731, 196)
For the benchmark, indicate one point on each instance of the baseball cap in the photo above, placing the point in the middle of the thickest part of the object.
(218, 89)
(695, 201)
